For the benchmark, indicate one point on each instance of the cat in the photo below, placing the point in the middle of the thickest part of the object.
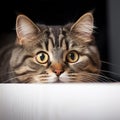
(51, 54)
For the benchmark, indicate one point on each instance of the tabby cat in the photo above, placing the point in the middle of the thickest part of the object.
(50, 54)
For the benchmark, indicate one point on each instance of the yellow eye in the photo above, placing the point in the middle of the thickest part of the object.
(72, 57)
(42, 57)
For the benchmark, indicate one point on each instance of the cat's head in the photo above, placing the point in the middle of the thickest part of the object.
(55, 53)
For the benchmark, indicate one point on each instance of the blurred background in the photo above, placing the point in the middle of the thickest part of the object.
(106, 16)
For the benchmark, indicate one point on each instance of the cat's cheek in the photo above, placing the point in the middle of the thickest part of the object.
(64, 77)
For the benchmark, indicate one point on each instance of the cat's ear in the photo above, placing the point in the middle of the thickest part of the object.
(83, 27)
(25, 28)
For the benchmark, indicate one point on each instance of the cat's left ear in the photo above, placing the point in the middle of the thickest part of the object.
(25, 28)
(83, 27)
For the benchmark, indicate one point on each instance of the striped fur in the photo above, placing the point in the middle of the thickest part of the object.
(54, 45)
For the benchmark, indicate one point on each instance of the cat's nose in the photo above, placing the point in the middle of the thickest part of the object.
(58, 71)
(57, 68)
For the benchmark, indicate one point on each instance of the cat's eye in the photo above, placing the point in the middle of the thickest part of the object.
(42, 57)
(72, 56)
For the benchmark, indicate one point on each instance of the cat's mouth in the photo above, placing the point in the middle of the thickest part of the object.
(58, 81)
(63, 78)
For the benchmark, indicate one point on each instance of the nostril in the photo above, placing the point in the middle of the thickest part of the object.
(58, 71)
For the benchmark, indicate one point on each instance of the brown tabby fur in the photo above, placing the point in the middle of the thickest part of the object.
(56, 46)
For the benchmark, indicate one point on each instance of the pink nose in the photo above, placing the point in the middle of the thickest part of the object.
(58, 71)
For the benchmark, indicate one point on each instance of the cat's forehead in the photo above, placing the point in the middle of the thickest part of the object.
(56, 34)
(56, 31)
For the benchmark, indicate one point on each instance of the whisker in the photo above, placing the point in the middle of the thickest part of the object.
(9, 80)
(105, 78)
(112, 64)
(25, 75)
(2, 73)
(111, 72)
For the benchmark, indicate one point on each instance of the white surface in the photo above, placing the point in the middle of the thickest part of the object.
(60, 101)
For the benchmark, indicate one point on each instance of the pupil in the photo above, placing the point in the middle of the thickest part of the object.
(72, 56)
(42, 56)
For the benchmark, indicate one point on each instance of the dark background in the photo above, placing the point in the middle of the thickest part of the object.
(51, 12)
(56, 12)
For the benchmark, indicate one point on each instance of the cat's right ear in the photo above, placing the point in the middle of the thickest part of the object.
(25, 29)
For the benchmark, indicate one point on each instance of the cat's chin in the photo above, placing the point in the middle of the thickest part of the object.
(64, 78)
